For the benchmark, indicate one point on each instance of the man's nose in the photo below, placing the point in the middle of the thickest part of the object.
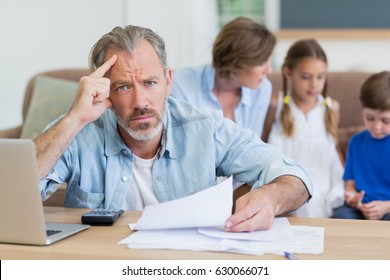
(139, 100)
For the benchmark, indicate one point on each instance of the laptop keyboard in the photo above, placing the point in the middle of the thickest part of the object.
(51, 232)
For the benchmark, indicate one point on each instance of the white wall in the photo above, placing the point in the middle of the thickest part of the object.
(188, 27)
(42, 35)
(372, 55)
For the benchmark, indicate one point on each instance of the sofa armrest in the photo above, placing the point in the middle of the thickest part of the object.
(11, 132)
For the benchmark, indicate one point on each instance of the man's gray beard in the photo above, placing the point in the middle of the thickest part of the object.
(140, 135)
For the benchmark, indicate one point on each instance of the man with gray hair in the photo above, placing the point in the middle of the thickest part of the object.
(126, 144)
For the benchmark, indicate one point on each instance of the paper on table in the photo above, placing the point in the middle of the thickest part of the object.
(178, 225)
(174, 239)
(280, 231)
(210, 207)
(304, 240)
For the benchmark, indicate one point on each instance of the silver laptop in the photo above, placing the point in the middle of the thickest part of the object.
(22, 218)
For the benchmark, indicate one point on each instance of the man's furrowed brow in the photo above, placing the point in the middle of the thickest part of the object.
(120, 82)
(151, 78)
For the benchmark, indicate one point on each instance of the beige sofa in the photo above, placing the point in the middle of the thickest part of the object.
(342, 86)
(66, 74)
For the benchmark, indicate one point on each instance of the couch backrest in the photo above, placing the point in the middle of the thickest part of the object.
(343, 86)
(66, 74)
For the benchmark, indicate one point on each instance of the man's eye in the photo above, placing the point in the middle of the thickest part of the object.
(122, 88)
(150, 83)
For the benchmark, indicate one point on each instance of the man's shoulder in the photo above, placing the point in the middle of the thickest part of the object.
(194, 74)
(191, 71)
(182, 111)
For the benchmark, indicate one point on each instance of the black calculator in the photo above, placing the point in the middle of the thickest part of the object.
(101, 217)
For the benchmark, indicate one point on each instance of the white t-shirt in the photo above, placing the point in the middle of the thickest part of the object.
(141, 191)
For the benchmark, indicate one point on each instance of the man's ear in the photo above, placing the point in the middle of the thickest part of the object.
(168, 78)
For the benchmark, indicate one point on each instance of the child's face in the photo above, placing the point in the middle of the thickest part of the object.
(377, 122)
(307, 79)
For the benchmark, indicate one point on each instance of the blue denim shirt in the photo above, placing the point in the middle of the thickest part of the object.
(197, 147)
(195, 85)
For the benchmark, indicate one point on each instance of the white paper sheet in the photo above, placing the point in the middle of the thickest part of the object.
(176, 239)
(196, 223)
(280, 231)
(210, 207)
(304, 240)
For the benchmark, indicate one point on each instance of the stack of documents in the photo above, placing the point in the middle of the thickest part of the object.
(196, 222)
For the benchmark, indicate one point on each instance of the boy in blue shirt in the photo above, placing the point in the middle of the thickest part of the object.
(367, 188)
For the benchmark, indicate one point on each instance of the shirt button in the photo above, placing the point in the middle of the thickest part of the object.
(124, 178)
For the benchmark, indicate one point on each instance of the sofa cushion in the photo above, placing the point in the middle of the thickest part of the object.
(51, 98)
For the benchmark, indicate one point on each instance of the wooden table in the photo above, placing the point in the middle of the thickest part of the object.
(344, 239)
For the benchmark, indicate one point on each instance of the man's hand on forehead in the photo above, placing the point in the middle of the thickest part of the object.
(92, 94)
(104, 68)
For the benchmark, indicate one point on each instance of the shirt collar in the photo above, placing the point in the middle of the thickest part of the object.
(112, 140)
(167, 143)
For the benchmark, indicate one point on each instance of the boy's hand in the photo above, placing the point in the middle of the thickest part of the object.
(375, 210)
(354, 199)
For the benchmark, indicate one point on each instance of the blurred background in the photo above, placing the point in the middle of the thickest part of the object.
(43, 35)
